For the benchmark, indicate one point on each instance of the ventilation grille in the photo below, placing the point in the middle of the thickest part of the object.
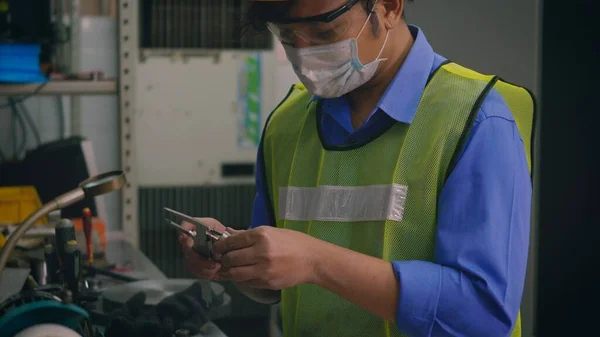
(199, 24)
(232, 205)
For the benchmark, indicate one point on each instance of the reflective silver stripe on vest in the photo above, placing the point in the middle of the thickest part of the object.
(342, 203)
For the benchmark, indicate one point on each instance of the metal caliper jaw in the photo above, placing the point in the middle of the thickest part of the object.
(203, 246)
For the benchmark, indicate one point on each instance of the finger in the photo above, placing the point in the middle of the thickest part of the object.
(241, 274)
(213, 223)
(218, 277)
(233, 231)
(233, 242)
(221, 274)
(185, 240)
(187, 225)
(200, 262)
(215, 257)
(195, 268)
(239, 258)
(209, 222)
(201, 274)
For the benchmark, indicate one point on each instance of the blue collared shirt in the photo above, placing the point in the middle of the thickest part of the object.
(475, 284)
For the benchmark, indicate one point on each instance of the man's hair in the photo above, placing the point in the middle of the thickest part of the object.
(261, 12)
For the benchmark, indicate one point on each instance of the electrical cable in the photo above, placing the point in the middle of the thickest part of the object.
(18, 118)
(32, 126)
(25, 136)
(61, 117)
(13, 130)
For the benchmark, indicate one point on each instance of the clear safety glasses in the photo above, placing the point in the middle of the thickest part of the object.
(321, 29)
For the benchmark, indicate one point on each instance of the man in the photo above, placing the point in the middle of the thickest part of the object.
(394, 187)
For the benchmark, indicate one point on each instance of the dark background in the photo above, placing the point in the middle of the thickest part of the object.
(568, 202)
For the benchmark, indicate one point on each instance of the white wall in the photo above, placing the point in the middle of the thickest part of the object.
(44, 111)
(490, 36)
(100, 114)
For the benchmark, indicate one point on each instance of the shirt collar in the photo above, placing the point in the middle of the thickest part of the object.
(402, 97)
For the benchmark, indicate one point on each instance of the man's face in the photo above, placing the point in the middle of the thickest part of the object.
(346, 26)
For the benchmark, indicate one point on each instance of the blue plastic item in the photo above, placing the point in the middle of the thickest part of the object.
(30, 314)
(20, 63)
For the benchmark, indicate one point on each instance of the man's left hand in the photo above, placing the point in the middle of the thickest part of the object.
(267, 257)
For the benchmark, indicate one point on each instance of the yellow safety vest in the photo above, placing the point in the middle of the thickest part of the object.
(378, 197)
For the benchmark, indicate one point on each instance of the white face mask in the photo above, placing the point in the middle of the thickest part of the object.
(333, 70)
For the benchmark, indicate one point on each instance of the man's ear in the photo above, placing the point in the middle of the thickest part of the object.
(392, 12)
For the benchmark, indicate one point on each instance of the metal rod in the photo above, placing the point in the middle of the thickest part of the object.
(189, 233)
(11, 243)
(60, 87)
(188, 218)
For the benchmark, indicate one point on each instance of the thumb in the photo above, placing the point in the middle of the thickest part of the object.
(233, 231)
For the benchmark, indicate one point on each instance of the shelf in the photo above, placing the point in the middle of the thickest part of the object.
(60, 87)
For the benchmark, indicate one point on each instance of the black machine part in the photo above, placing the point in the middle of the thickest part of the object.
(65, 232)
(12, 281)
(160, 308)
(26, 21)
(71, 266)
(50, 292)
(49, 160)
(156, 291)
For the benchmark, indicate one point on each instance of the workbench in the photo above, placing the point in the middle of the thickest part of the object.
(122, 253)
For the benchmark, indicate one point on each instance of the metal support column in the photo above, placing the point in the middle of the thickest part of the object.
(75, 63)
(128, 51)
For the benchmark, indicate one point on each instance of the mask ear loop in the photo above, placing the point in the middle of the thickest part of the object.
(367, 20)
(383, 47)
(386, 35)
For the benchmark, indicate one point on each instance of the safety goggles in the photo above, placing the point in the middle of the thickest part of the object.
(320, 29)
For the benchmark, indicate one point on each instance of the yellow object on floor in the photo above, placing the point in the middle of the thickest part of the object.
(17, 203)
(2, 240)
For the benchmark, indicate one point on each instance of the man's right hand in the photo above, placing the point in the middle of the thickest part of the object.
(195, 264)
(206, 269)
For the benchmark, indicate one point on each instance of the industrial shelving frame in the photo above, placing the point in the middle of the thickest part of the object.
(72, 88)
(128, 52)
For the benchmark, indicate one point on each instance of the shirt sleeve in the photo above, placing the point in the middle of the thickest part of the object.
(475, 284)
(261, 214)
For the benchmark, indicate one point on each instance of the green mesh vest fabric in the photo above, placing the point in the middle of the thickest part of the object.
(407, 163)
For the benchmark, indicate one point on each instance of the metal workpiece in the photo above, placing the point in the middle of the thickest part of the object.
(212, 233)
(202, 243)
(204, 235)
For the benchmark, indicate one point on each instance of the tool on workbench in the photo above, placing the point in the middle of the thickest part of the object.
(51, 263)
(71, 268)
(86, 219)
(65, 232)
(204, 236)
